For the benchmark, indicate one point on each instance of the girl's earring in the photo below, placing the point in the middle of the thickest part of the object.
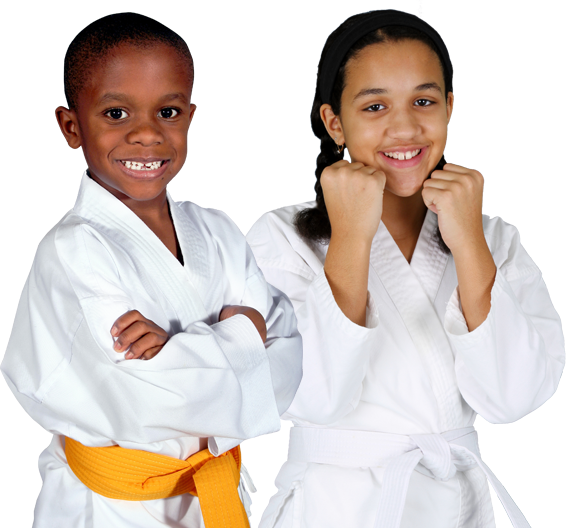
(339, 148)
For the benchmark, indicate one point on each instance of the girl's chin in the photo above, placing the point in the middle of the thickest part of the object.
(404, 193)
(404, 188)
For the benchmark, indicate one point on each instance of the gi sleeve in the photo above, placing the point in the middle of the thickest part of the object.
(511, 363)
(209, 380)
(335, 350)
(283, 345)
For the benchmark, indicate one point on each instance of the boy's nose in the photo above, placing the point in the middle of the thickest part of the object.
(145, 134)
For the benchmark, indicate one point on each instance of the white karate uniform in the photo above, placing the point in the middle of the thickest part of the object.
(415, 369)
(214, 384)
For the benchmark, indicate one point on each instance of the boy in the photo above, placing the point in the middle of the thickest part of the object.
(129, 275)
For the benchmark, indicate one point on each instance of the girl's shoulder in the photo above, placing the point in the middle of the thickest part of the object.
(504, 242)
(275, 241)
(278, 223)
(499, 233)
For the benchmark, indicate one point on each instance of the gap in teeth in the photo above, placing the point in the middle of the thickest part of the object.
(403, 155)
(136, 165)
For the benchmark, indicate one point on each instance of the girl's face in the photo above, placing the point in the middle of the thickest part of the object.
(394, 113)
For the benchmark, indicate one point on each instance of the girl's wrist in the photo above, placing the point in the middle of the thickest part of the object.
(352, 239)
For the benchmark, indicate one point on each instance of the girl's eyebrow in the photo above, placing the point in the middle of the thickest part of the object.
(381, 91)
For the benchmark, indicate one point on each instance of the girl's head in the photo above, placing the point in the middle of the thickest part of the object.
(384, 91)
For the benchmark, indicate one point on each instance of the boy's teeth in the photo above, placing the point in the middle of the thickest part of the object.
(403, 155)
(135, 165)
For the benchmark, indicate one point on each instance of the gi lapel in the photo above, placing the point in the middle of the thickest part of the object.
(412, 289)
(160, 271)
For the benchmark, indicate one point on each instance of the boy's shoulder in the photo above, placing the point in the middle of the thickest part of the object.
(215, 221)
(214, 227)
(65, 237)
(76, 253)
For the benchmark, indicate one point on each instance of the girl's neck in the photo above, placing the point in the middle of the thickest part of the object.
(404, 217)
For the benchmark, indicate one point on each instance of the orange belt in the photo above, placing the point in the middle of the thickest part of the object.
(129, 474)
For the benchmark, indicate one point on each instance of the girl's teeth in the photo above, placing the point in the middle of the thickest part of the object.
(403, 155)
(135, 165)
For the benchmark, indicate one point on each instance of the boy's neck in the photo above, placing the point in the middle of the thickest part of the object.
(153, 212)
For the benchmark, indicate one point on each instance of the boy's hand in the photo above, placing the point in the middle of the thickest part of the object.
(252, 314)
(144, 338)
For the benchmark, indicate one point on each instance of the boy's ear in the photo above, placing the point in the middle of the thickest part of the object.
(69, 125)
(192, 109)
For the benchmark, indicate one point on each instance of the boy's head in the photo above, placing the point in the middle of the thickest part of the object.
(95, 43)
(128, 83)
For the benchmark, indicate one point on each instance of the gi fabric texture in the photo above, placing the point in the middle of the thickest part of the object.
(414, 370)
(213, 384)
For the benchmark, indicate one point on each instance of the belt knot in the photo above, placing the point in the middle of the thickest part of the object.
(441, 458)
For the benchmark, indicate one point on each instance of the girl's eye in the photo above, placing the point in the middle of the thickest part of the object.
(168, 113)
(423, 102)
(375, 107)
(116, 114)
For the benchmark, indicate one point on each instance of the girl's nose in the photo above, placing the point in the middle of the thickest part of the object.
(403, 124)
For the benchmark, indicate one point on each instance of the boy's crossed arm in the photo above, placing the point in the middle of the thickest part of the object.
(145, 339)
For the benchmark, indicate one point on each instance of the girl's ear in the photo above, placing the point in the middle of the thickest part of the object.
(69, 125)
(332, 124)
(449, 105)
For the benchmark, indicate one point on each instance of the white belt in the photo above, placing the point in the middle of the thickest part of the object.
(438, 456)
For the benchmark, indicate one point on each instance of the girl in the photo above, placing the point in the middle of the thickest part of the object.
(416, 312)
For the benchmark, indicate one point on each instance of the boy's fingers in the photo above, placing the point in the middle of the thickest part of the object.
(143, 344)
(131, 334)
(126, 320)
(151, 353)
(227, 312)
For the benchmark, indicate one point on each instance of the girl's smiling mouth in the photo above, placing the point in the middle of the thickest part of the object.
(403, 158)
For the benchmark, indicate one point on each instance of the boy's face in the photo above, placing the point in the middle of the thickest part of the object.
(132, 120)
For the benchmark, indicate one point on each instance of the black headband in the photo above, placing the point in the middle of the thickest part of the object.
(372, 21)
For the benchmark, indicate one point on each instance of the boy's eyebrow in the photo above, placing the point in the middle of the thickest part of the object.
(380, 91)
(120, 97)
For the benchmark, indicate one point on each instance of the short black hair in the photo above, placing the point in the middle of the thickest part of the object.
(96, 40)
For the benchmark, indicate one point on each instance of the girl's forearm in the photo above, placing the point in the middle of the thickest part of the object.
(347, 268)
(476, 274)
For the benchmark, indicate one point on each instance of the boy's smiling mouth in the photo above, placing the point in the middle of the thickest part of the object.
(143, 166)
(147, 169)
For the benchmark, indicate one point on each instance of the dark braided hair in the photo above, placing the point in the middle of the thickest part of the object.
(313, 223)
(95, 42)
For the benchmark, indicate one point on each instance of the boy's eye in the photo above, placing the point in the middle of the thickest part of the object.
(168, 113)
(423, 102)
(375, 107)
(116, 113)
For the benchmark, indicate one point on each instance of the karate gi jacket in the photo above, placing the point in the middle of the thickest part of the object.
(214, 384)
(415, 369)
